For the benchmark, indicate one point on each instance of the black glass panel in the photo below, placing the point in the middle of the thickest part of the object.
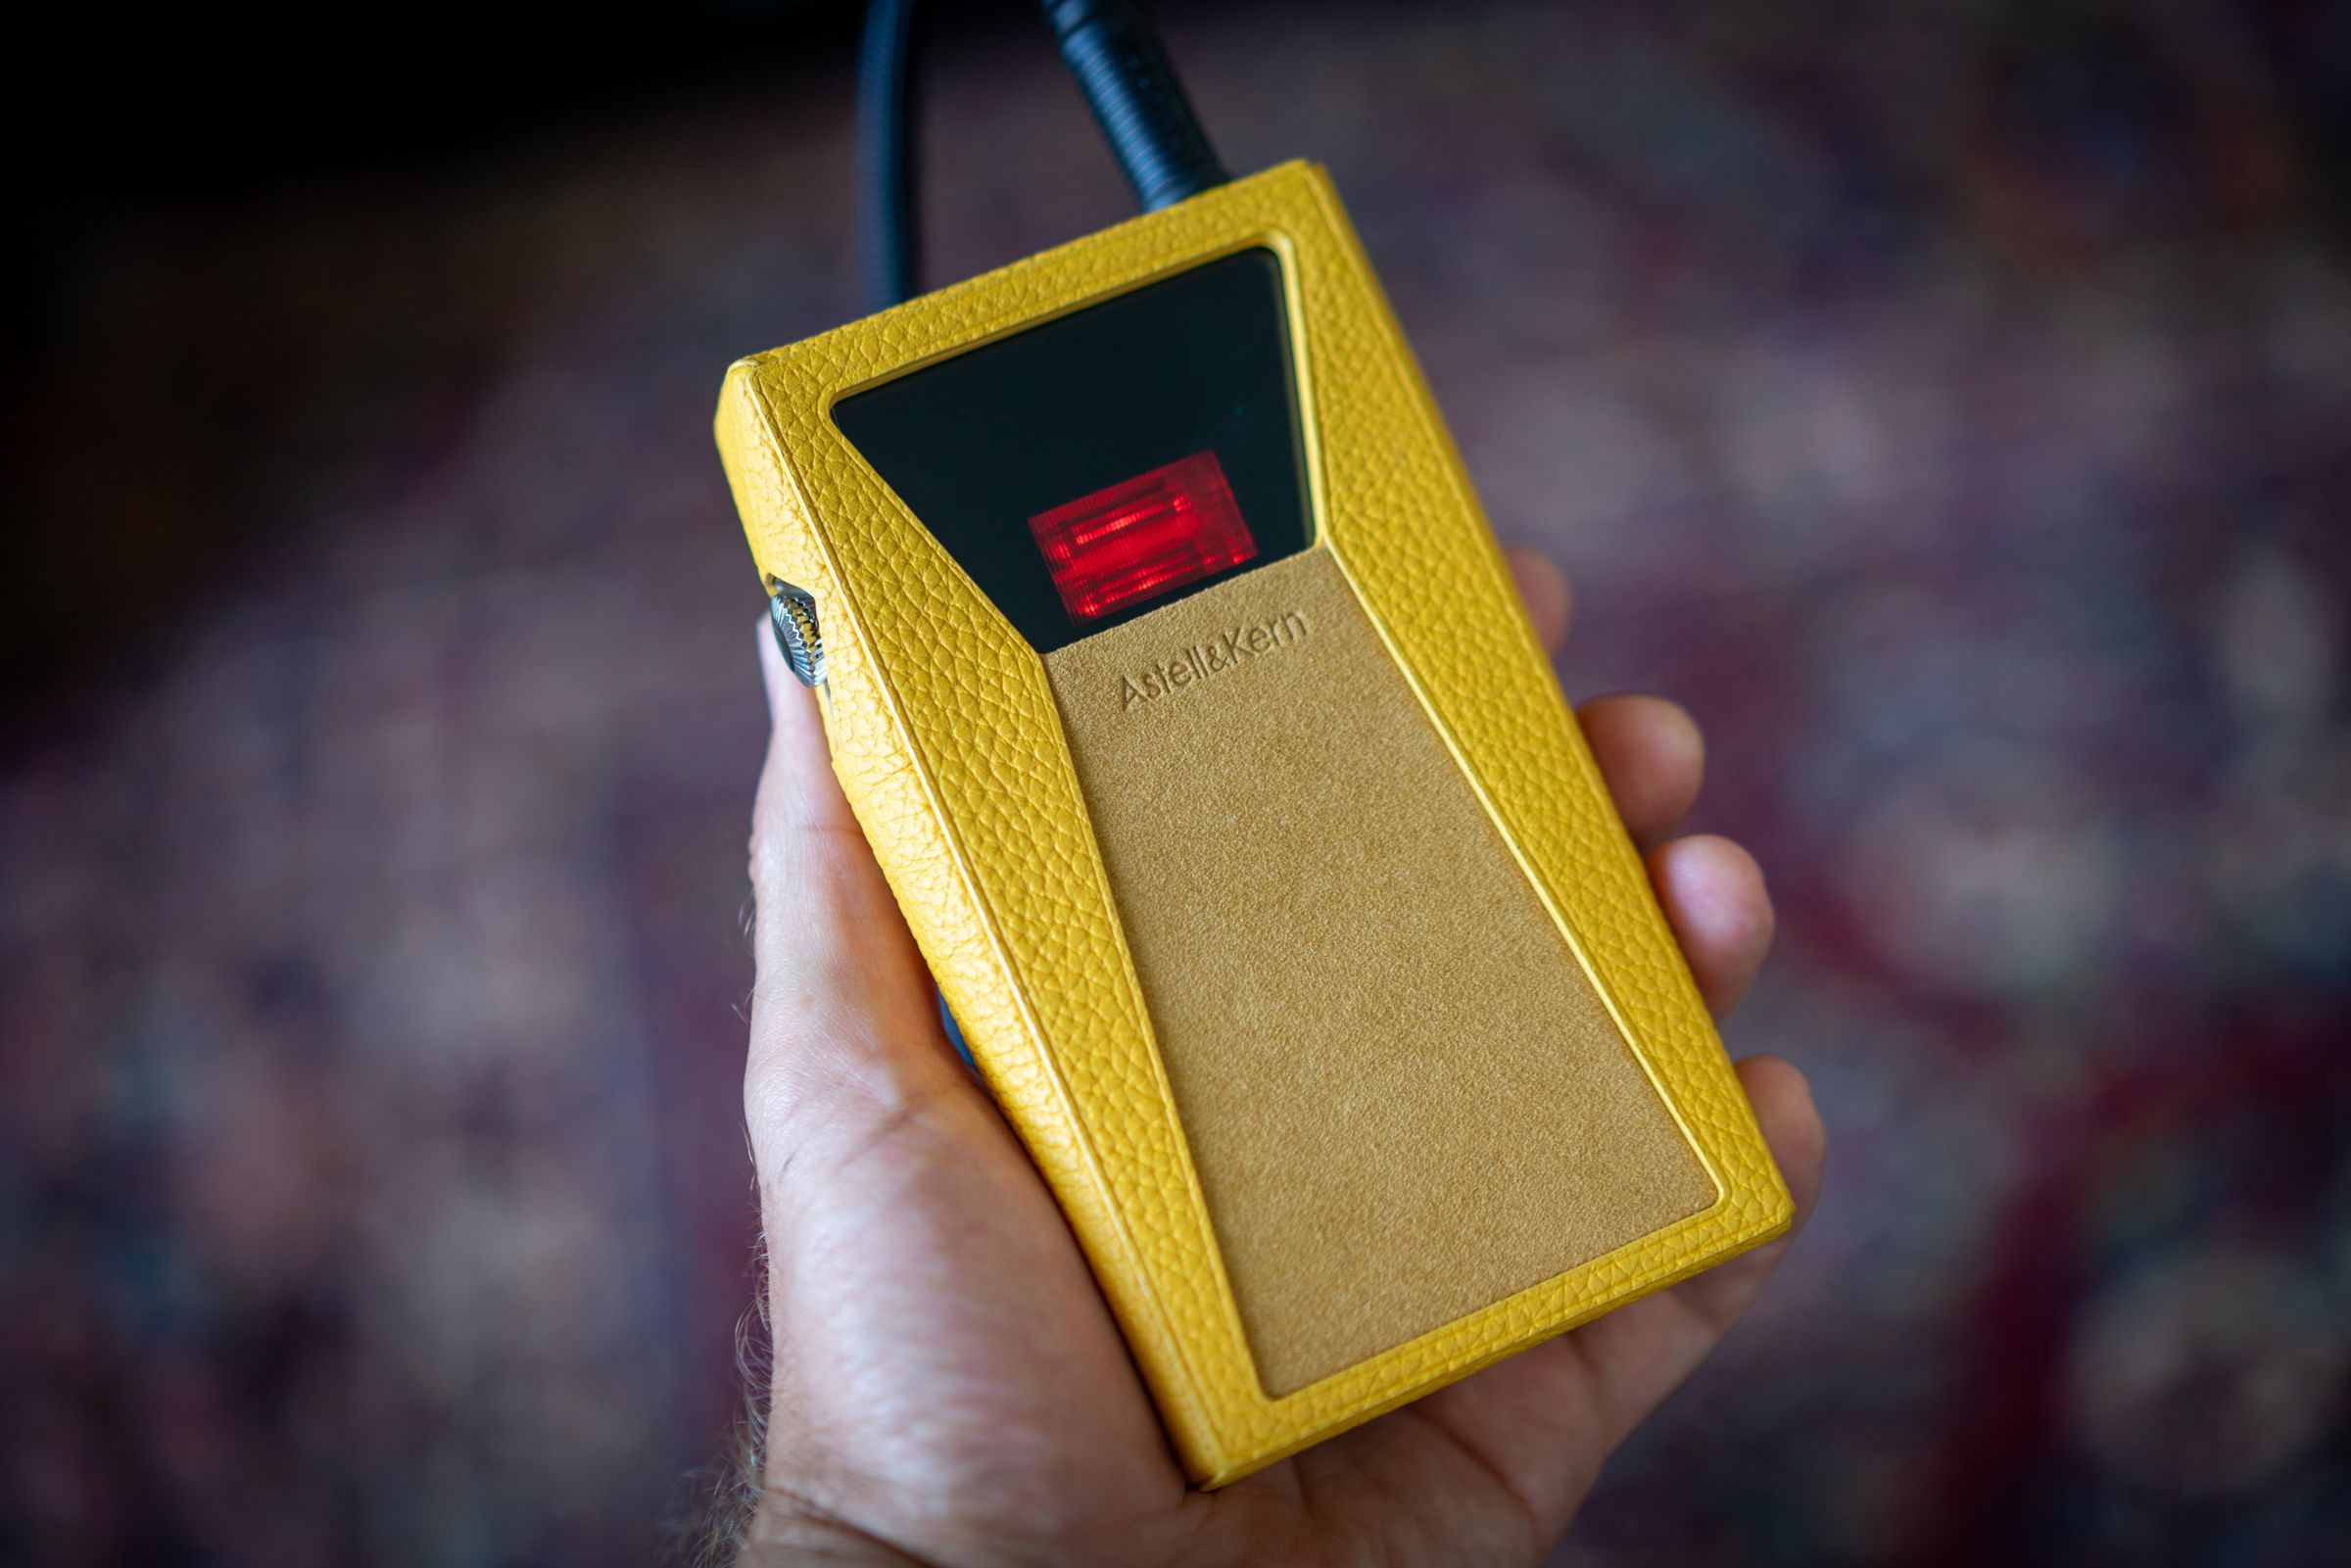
(978, 445)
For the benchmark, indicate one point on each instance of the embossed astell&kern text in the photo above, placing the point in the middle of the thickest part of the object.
(1226, 651)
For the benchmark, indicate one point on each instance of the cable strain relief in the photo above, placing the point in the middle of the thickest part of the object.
(1131, 88)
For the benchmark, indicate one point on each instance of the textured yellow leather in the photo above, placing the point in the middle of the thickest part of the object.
(948, 743)
(1402, 1095)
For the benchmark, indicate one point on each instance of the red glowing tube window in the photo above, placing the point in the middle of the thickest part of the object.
(1142, 537)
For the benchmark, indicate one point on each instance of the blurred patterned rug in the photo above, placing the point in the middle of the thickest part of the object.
(1951, 403)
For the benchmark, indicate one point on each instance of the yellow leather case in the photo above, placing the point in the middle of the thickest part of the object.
(953, 740)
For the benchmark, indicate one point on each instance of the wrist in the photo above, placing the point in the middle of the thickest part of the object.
(787, 1533)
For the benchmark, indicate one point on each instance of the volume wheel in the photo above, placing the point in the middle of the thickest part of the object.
(792, 611)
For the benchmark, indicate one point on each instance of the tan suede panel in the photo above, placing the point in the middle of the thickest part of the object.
(1403, 1097)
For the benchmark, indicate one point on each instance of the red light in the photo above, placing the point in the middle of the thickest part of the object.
(1141, 537)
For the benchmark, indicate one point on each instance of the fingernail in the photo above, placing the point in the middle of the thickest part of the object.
(771, 667)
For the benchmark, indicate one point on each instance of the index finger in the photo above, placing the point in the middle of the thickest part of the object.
(1549, 602)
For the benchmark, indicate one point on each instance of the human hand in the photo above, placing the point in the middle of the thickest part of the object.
(948, 1387)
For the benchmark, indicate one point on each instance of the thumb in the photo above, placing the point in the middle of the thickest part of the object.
(846, 1035)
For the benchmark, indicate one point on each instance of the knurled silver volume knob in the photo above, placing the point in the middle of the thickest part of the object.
(793, 613)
